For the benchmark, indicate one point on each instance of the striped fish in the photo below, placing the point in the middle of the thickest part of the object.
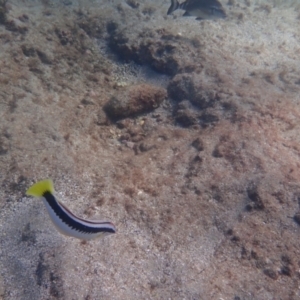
(64, 220)
(202, 9)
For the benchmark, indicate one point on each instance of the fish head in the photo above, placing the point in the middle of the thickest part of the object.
(207, 13)
(216, 12)
(205, 9)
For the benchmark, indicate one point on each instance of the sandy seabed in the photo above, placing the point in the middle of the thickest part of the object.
(183, 133)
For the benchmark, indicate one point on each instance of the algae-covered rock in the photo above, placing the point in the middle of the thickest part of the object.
(134, 100)
(193, 87)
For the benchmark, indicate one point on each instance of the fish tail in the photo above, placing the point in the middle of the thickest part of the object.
(40, 188)
(174, 5)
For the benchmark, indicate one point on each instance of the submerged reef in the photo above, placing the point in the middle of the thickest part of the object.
(184, 133)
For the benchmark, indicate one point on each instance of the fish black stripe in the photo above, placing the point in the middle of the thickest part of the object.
(174, 5)
(182, 5)
(68, 220)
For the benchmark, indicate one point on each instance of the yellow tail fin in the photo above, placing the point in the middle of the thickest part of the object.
(39, 188)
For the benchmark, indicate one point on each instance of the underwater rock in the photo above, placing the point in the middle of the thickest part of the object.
(93, 26)
(134, 100)
(28, 50)
(193, 88)
(65, 37)
(185, 114)
(44, 57)
(256, 203)
(208, 119)
(271, 273)
(16, 25)
(296, 218)
(161, 50)
(198, 144)
(181, 87)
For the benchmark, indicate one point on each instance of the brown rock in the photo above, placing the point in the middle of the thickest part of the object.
(198, 144)
(28, 50)
(297, 218)
(44, 57)
(16, 25)
(256, 199)
(185, 115)
(161, 50)
(271, 273)
(193, 88)
(134, 100)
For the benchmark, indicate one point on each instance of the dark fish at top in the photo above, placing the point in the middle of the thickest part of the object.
(202, 9)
